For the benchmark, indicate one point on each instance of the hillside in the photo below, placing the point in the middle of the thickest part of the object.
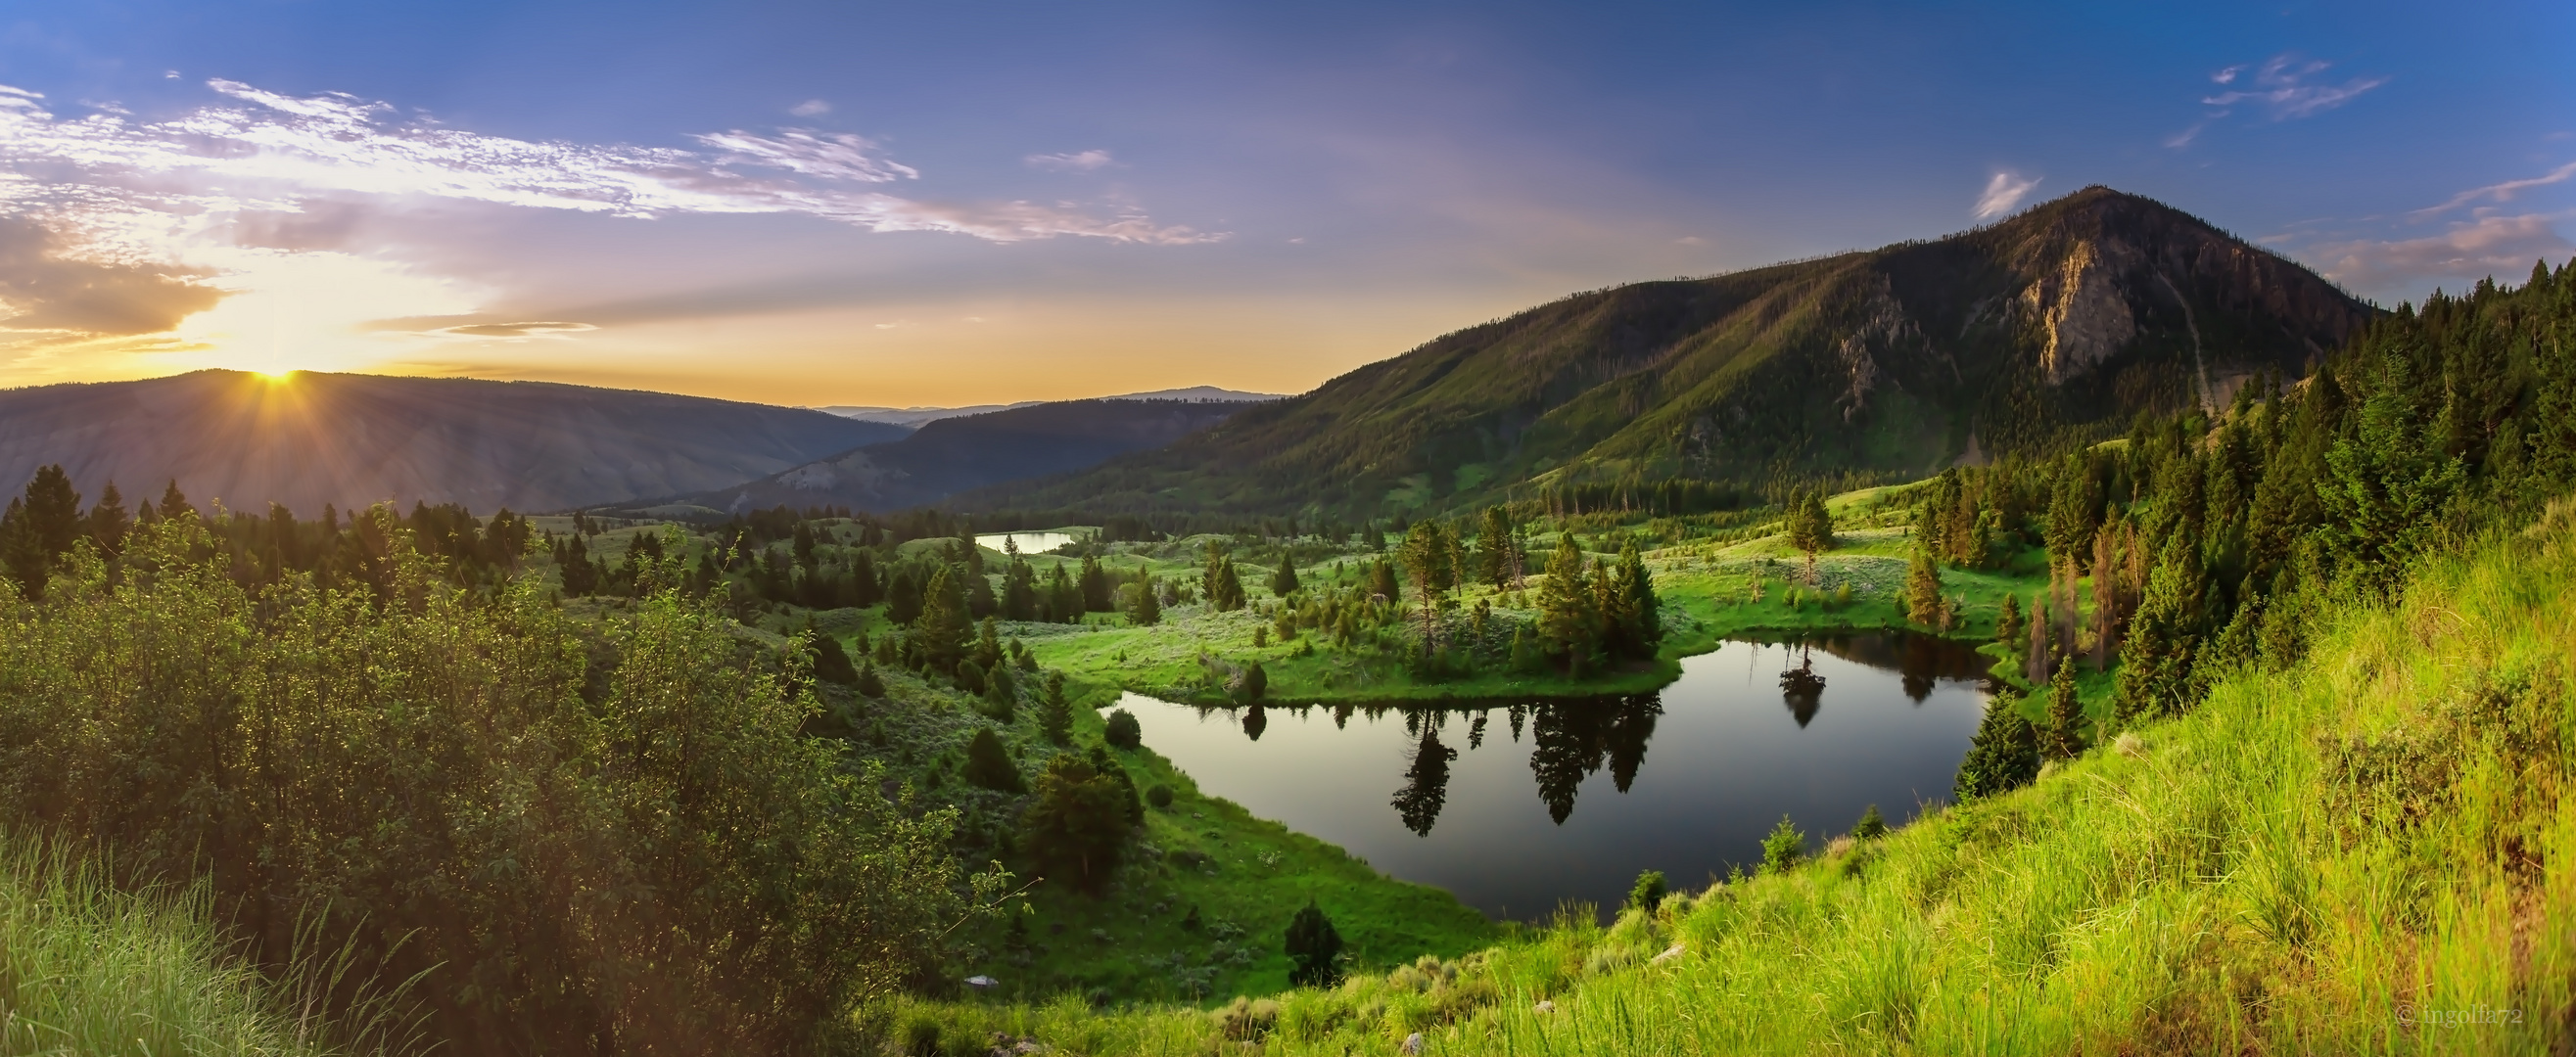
(2068, 319)
(921, 416)
(350, 439)
(954, 454)
(2361, 853)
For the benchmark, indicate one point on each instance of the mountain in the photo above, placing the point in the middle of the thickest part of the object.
(952, 454)
(917, 416)
(353, 439)
(2059, 324)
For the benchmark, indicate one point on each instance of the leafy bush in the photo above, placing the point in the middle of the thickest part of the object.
(1124, 732)
(500, 784)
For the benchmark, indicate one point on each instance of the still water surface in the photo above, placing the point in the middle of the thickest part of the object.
(1516, 807)
(1030, 542)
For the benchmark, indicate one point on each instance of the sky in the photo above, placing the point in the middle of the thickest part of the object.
(982, 201)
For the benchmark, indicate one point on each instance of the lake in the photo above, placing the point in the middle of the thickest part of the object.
(1517, 807)
(1030, 542)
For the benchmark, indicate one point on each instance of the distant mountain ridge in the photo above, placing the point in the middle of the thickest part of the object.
(2061, 323)
(953, 454)
(918, 416)
(353, 439)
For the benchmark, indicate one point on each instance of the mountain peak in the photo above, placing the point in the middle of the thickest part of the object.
(2056, 326)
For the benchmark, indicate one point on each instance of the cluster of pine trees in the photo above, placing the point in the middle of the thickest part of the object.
(2208, 542)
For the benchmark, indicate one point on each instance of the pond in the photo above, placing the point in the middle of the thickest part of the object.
(1518, 807)
(1030, 542)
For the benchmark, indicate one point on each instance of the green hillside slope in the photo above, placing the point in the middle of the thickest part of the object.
(2065, 321)
(2369, 852)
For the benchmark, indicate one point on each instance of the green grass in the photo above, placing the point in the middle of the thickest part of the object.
(88, 969)
(1246, 876)
(2373, 852)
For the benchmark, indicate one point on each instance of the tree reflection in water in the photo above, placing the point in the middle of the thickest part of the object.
(1572, 739)
(1426, 784)
(1803, 690)
(1254, 722)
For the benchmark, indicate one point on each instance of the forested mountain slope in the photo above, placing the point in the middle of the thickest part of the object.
(2065, 321)
(954, 454)
(352, 439)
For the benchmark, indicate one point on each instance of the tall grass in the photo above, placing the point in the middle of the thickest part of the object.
(86, 968)
(2373, 852)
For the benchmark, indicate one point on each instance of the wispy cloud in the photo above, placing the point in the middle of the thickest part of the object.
(281, 148)
(810, 108)
(517, 330)
(2282, 87)
(1083, 162)
(116, 227)
(2501, 192)
(2003, 193)
(2497, 245)
(2228, 75)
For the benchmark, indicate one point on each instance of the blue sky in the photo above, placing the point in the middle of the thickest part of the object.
(974, 202)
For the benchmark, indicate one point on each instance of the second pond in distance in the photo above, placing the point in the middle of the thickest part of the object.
(1561, 800)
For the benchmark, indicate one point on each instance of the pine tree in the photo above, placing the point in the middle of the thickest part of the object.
(2003, 755)
(1256, 683)
(2065, 714)
(988, 764)
(870, 683)
(1284, 582)
(1055, 711)
(1871, 826)
(2008, 622)
(1638, 608)
(1923, 601)
(1144, 610)
(1565, 610)
(1094, 583)
(1427, 560)
(832, 663)
(1494, 548)
(1063, 599)
(1783, 848)
(940, 634)
(2156, 660)
(1811, 527)
(108, 521)
(174, 502)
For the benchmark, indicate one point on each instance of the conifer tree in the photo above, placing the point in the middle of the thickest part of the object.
(2065, 715)
(2008, 622)
(108, 521)
(870, 683)
(941, 632)
(832, 663)
(1494, 548)
(1256, 683)
(1095, 587)
(1639, 609)
(2003, 755)
(1426, 559)
(1923, 601)
(2163, 637)
(1284, 582)
(1811, 527)
(1063, 599)
(1565, 610)
(1055, 711)
(173, 501)
(988, 764)
(1144, 610)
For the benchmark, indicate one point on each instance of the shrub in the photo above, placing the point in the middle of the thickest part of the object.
(1648, 892)
(1124, 732)
(1782, 850)
(1160, 796)
(1871, 825)
(989, 765)
(1314, 949)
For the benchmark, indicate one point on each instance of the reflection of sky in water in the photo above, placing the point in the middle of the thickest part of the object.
(1030, 542)
(1709, 764)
